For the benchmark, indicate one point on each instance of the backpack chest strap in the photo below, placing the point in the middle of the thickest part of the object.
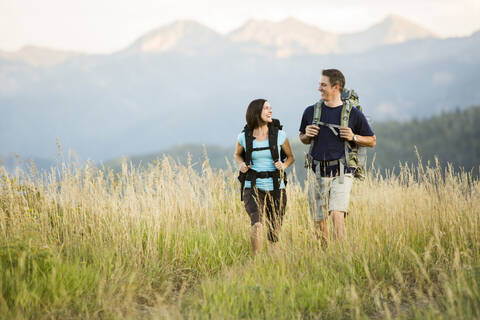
(331, 126)
(261, 149)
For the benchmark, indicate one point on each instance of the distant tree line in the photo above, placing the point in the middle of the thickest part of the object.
(451, 137)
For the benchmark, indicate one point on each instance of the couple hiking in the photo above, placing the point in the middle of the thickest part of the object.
(337, 132)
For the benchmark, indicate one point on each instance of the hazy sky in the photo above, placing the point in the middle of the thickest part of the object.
(103, 26)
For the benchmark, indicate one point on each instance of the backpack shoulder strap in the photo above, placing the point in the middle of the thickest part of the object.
(317, 115)
(276, 123)
(273, 140)
(344, 120)
(317, 112)
(248, 145)
(345, 115)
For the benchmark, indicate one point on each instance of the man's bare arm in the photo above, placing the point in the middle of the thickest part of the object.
(362, 141)
(366, 141)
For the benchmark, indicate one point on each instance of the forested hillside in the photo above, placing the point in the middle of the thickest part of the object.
(452, 137)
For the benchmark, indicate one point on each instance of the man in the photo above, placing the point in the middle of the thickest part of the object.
(330, 194)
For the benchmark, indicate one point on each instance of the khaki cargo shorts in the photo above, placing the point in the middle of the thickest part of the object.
(326, 194)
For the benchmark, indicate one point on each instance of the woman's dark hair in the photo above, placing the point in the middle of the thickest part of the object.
(254, 113)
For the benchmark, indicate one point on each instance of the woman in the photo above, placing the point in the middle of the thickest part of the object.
(264, 185)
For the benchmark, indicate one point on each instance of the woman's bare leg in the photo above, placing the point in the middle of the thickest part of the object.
(256, 236)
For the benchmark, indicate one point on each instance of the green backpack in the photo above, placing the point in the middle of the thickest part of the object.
(355, 156)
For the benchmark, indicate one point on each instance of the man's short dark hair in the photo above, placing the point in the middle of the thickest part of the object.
(335, 76)
(254, 113)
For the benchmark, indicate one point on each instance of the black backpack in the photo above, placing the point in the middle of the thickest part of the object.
(252, 175)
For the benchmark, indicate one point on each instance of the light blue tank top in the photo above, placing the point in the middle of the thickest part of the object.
(262, 160)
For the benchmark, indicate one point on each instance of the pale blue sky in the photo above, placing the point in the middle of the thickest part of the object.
(104, 26)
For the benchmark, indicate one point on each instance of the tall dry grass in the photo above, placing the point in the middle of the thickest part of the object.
(168, 242)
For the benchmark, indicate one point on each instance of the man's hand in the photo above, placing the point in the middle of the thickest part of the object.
(243, 167)
(280, 165)
(312, 130)
(346, 133)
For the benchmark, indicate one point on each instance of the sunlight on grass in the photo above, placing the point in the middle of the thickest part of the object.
(167, 242)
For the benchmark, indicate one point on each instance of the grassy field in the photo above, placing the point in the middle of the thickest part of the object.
(165, 242)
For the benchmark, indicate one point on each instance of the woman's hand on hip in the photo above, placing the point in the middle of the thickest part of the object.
(280, 165)
(243, 167)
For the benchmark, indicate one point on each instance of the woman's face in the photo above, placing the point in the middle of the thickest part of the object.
(266, 114)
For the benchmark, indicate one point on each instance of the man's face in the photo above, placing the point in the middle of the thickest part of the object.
(326, 89)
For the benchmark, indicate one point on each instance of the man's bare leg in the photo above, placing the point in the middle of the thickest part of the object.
(321, 231)
(338, 218)
(256, 236)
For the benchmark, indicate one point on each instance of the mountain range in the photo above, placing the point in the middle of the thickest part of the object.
(283, 39)
(185, 83)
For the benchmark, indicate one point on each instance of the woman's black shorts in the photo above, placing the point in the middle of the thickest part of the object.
(272, 203)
